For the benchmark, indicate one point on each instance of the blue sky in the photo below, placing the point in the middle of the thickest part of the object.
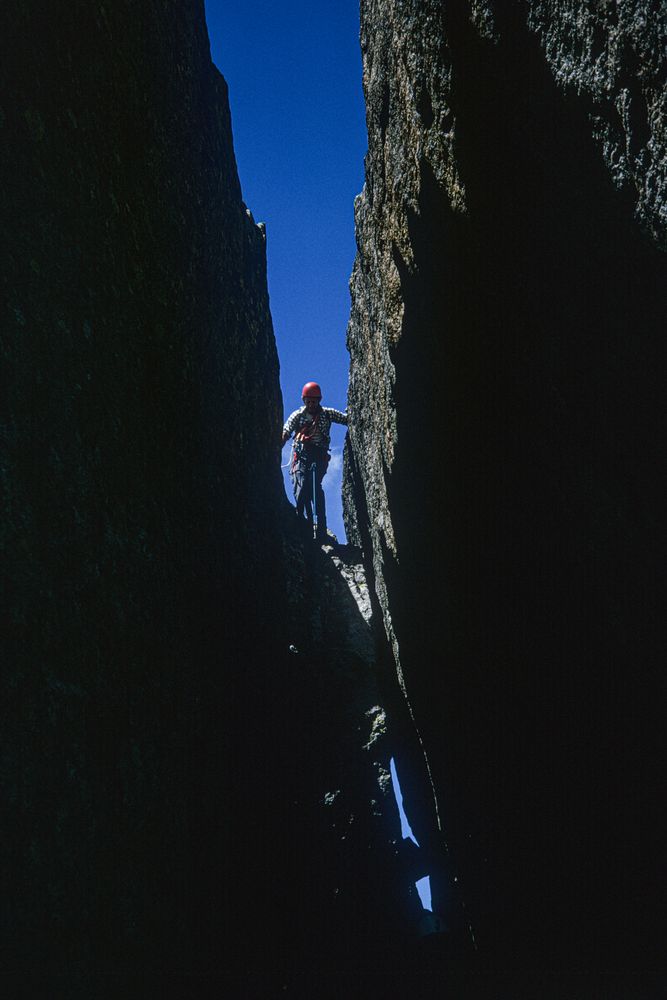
(294, 76)
(423, 886)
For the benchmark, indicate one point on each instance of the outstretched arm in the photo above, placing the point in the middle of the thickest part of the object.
(337, 416)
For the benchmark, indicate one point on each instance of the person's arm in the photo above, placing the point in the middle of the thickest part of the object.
(290, 426)
(337, 416)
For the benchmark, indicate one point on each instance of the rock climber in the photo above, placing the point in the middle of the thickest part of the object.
(311, 425)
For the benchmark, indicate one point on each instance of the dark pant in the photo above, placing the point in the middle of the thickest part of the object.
(309, 459)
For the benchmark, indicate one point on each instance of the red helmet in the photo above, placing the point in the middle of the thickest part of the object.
(311, 390)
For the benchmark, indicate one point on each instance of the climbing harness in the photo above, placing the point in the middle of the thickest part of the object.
(302, 437)
(307, 432)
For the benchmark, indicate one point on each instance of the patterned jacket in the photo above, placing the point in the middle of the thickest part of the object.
(326, 416)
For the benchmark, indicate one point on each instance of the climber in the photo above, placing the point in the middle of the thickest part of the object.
(311, 425)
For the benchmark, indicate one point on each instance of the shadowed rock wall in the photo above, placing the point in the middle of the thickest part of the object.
(507, 418)
(183, 795)
(140, 492)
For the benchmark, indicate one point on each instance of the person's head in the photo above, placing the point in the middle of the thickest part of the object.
(311, 394)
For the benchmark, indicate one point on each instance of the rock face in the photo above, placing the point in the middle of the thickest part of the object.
(136, 532)
(182, 794)
(507, 416)
(343, 856)
(615, 55)
(199, 707)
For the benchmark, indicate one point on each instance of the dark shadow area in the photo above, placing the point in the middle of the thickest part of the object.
(164, 754)
(455, 945)
(336, 835)
(534, 349)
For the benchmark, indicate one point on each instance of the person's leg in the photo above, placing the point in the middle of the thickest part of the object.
(310, 495)
(299, 483)
(321, 502)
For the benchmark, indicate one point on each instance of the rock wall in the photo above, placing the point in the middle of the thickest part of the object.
(138, 538)
(195, 753)
(197, 715)
(507, 354)
(343, 856)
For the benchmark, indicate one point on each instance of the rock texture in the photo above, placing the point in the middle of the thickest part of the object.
(360, 913)
(616, 56)
(136, 532)
(184, 796)
(507, 417)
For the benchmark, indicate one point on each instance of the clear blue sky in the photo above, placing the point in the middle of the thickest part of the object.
(294, 75)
